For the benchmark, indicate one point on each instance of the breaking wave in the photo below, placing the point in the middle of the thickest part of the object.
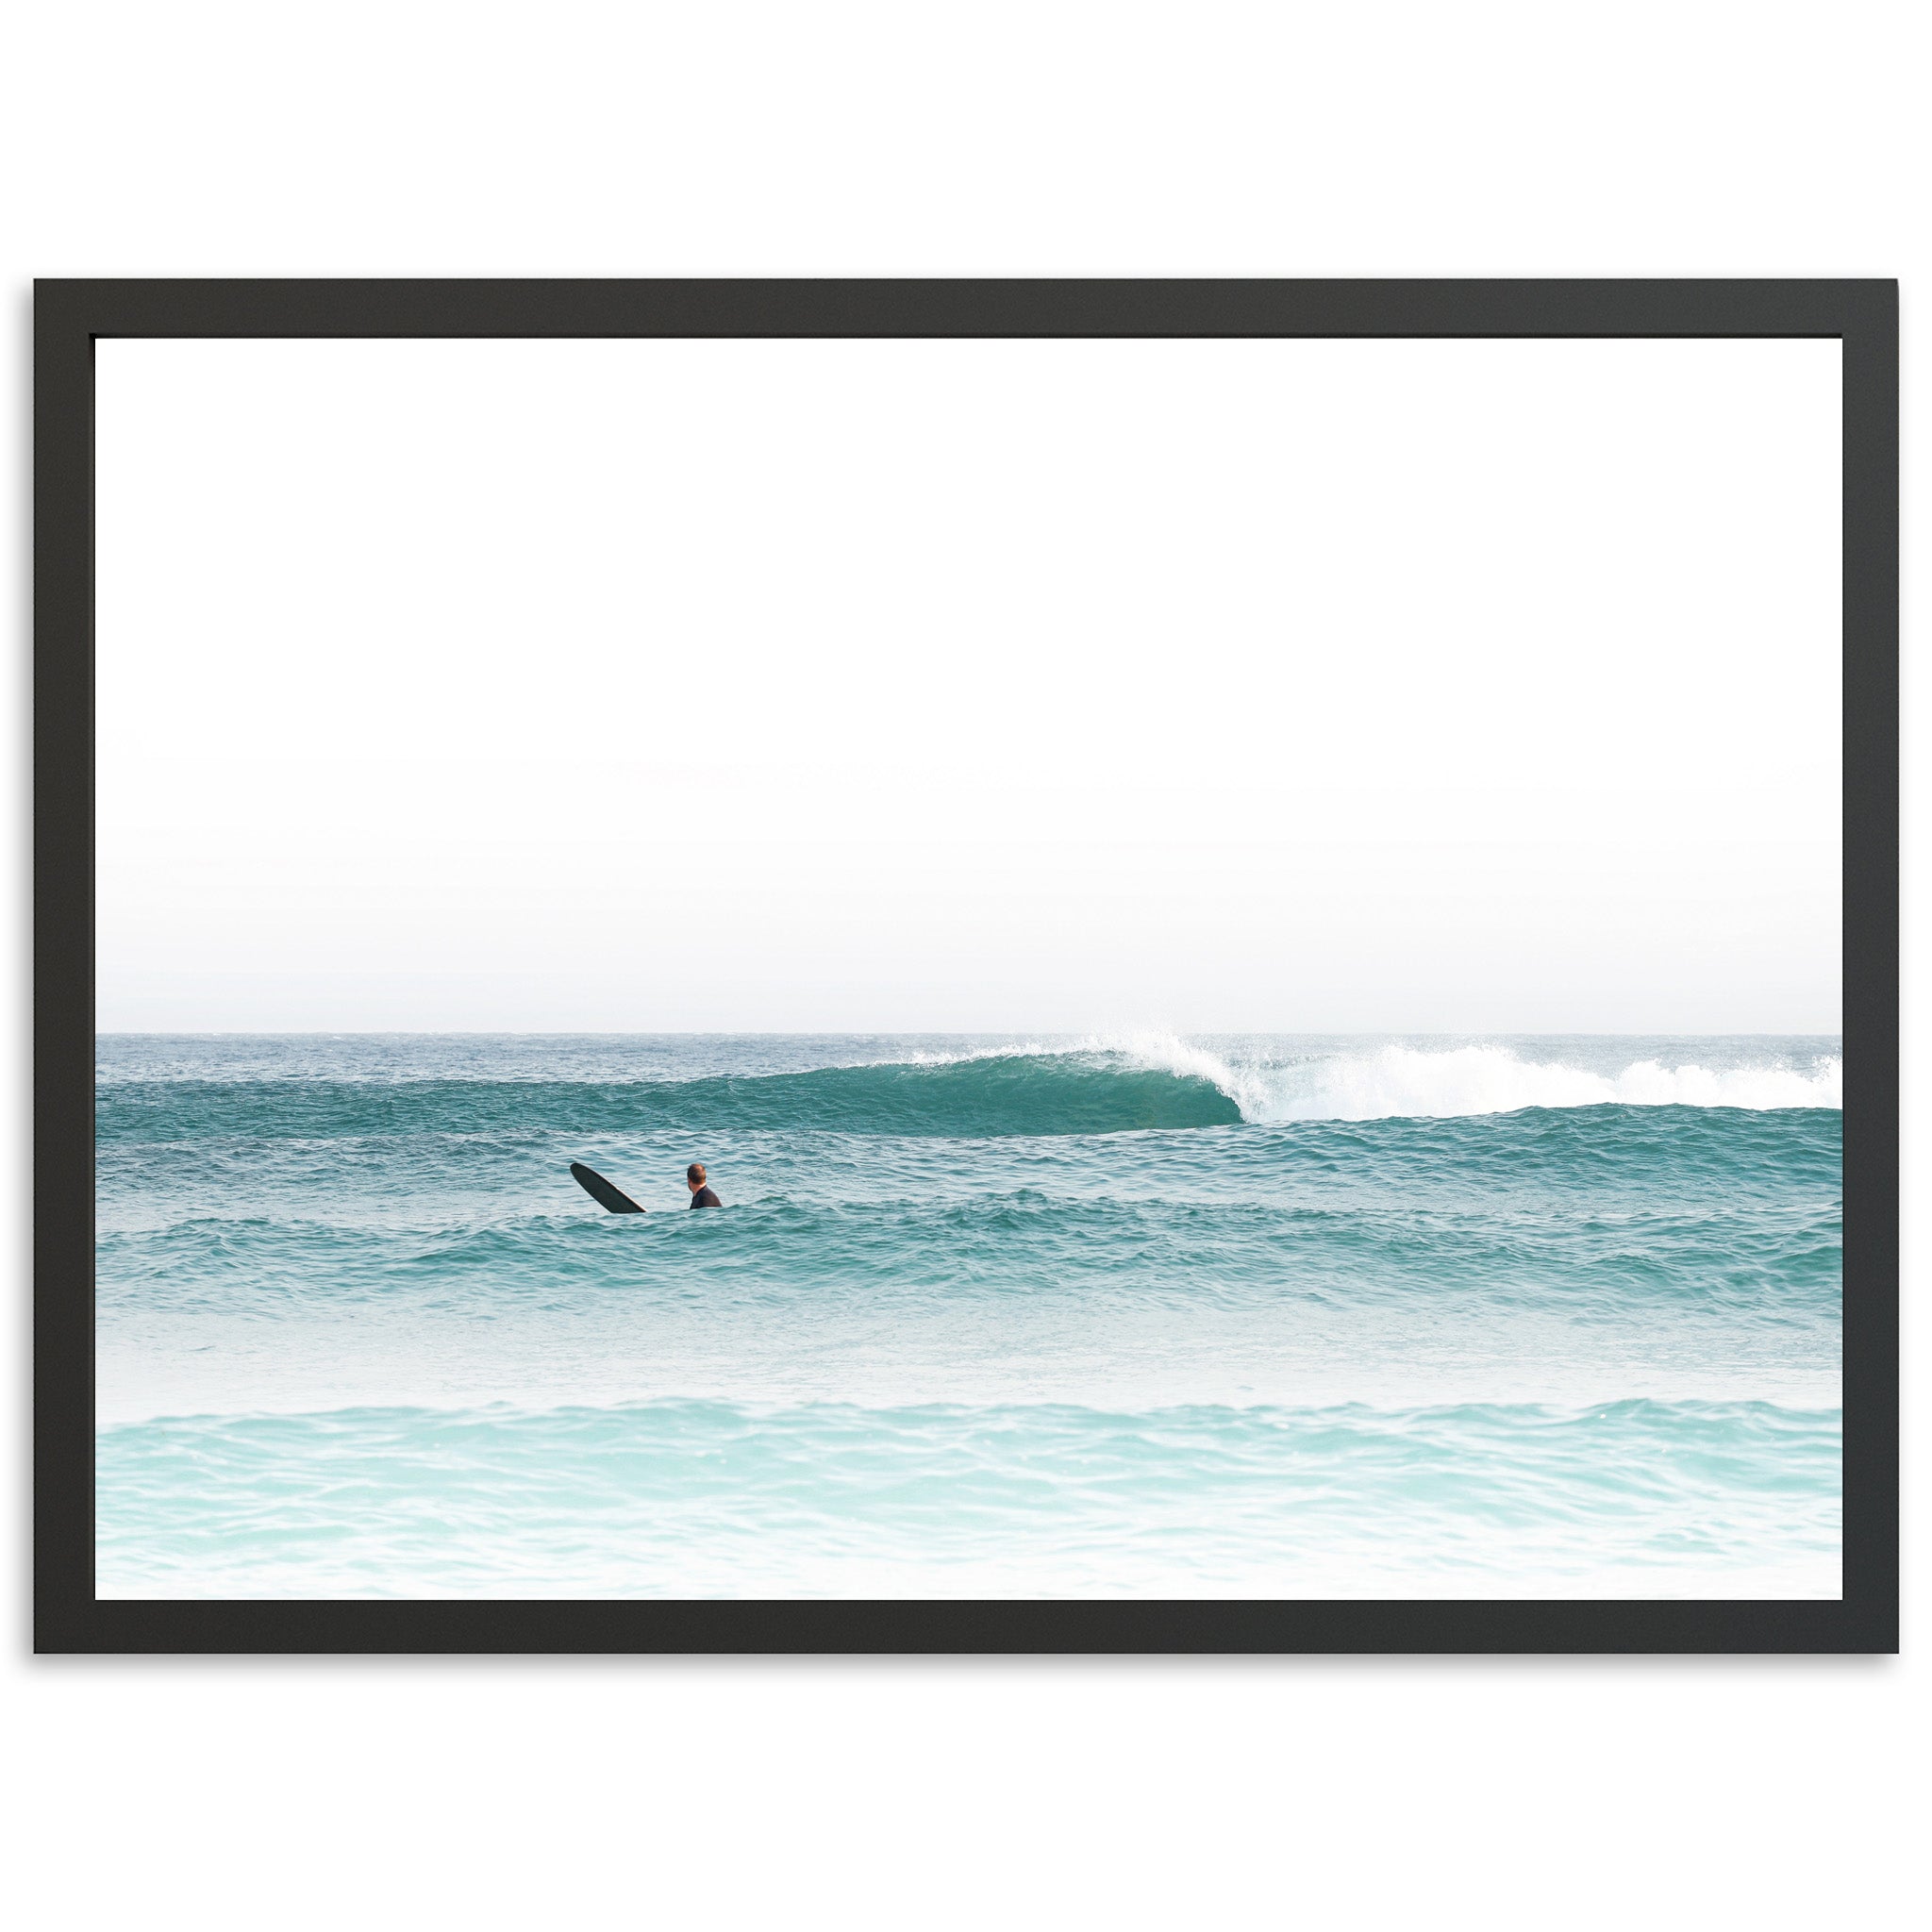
(1419, 1083)
(1100, 1086)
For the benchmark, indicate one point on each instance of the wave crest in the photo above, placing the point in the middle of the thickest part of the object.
(1419, 1083)
(984, 1096)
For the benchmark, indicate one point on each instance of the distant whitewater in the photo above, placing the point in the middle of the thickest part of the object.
(1112, 1315)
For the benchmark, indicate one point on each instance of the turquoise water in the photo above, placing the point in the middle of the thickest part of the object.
(1142, 1316)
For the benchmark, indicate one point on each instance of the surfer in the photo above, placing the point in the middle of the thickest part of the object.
(701, 1197)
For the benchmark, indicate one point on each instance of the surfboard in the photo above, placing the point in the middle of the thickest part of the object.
(601, 1191)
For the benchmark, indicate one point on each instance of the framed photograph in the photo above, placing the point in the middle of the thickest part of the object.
(966, 966)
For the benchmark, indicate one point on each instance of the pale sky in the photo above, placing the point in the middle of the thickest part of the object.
(968, 685)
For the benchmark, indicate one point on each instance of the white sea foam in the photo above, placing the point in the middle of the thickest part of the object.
(1397, 1081)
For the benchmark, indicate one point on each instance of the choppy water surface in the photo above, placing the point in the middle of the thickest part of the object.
(1549, 1317)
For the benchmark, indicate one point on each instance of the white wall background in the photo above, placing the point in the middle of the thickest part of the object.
(1019, 684)
(1646, 138)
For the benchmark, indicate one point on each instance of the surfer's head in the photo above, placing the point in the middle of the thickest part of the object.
(695, 1176)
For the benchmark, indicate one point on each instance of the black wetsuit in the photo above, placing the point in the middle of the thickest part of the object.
(704, 1198)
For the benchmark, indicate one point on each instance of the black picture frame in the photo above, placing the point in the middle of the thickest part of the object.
(70, 316)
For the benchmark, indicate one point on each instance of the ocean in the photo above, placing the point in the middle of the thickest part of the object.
(1144, 1316)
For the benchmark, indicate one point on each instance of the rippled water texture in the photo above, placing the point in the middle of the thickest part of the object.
(1549, 1317)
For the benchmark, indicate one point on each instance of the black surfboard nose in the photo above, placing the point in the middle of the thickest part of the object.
(601, 1191)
